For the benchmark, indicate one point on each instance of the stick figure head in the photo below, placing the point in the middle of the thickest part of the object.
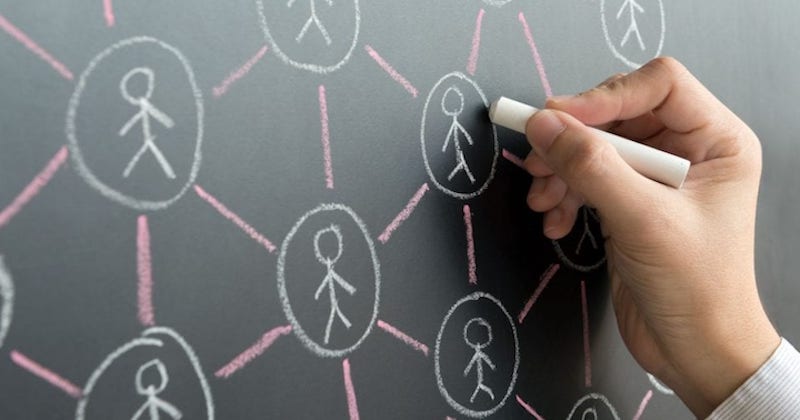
(334, 229)
(162, 378)
(469, 326)
(149, 77)
(455, 104)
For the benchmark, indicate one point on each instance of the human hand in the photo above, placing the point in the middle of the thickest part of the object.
(681, 262)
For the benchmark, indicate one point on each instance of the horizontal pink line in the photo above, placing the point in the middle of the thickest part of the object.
(33, 188)
(472, 62)
(234, 218)
(352, 404)
(643, 404)
(543, 280)
(48, 375)
(35, 48)
(397, 77)
(254, 351)
(403, 337)
(516, 160)
(403, 215)
(473, 275)
(536, 57)
(239, 73)
(529, 409)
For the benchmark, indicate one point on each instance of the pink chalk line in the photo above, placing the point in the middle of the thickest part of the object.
(643, 404)
(48, 375)
(253, 351)
(539, 65)
(109, 13)
(145, 271)
(473, 275)
(403, 215)
(235, 219)
(516, 160)
(529, 409)
(403, 337)
(32, 189)
(352, 404)
(397, 77)
(543, 280)
(35, 48)
(472, 62)
(587, 355)
(239, 73)
(326, 137)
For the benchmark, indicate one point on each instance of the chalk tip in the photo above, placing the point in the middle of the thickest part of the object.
(493, 109)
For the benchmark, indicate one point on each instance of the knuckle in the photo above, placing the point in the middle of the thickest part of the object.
(668, 65)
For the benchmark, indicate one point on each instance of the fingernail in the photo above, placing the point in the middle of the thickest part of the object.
(552, 221)
(543, 129)
(559, 99)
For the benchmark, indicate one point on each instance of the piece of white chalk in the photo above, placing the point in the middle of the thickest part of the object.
(653, 163)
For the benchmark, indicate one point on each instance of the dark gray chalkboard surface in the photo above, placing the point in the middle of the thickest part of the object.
(298, 209)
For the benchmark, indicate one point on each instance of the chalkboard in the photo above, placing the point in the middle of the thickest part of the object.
(299, 209)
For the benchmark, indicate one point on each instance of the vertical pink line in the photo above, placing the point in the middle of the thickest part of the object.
(48, 375)
(473, 276)
(543, 280)
(144, 269)
(643, 404)
(403, 215)
(539, 65)
(32, 189)
(529, 409)
(253, 351)
(352, 404)
(108, 10)
(513, 159)
(472, 62)
(239, 73)
(587, 354)
(403, 337)
(326, 137)
(235, 219)
(35, 48)
(397, 77)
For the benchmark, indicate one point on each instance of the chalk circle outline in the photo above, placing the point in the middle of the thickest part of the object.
(437, 366)
(497, 3)
(146, 340)
(659, 386)
(72, 140)
(6, 300)
(613, 48)
(462, 196)
(298, 330)
(315, 68)
(575, 266)
(594, 396)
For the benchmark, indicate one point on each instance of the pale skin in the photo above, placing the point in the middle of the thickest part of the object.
(680, 262)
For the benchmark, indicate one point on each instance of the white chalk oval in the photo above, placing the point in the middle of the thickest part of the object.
(303, 64)
(297, 328)
(592, 398)
(74, 144)
(573, 259)
(150, 338)
(6, 300)
(437, 363)
(659, 386)
(456, 78)
(614, 50)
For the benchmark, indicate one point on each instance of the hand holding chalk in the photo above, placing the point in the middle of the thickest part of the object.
(653, 163)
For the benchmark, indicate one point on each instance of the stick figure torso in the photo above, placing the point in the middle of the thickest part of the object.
(479, 358)
(313, 19)
(146, 110)
(456, 130)
(332, 279)
(154, 406)
(632, 7)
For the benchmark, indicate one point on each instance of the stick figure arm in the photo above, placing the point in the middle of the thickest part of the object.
(345, 285)
(471, 363)
(131, 122)
(168, 408)
(322, 286)
(625, 4)
(290, 3)
(160, 116)
(467, 136)
(138, 414)
(488, 362)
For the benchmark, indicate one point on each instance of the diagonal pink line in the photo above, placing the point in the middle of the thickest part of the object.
(32, 189)
(326, 137)
(403, 337)
(48, 375)
(35, 48)
(529, 409)
(403, 215)
(397, 77)
(472, 62)
(473, 275)
(253, 351)
(239, 73)
(145, 272)
(539, 65)
(543, 280)
(108, 11)
(352, 404)
(235, 219)
(643, 404)
(516, 160)
(587, 354)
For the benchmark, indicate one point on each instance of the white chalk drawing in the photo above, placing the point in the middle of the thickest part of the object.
(451, 83)
(497, 3)
(659, 386)
(330, 281)
(73, 141)
(590, 407)
(146, 111)
(313, 19)
(478, 357)
(626, 16)
(151, 337)
(588, 218)
(154, 405)
(6, 300)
